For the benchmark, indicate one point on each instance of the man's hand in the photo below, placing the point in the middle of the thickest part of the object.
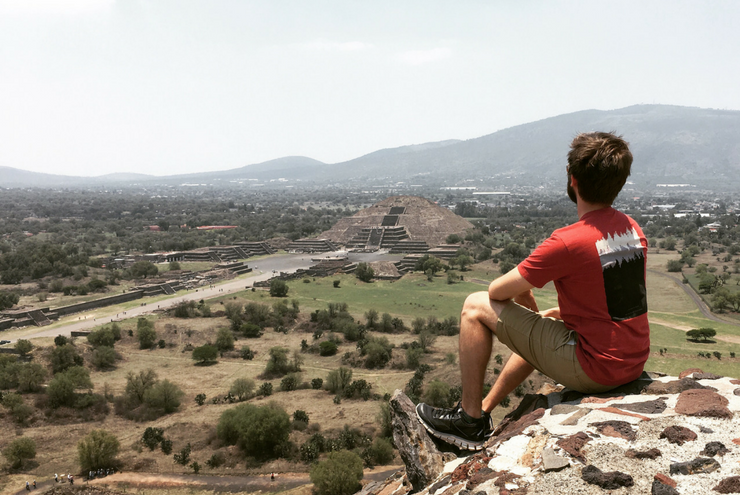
(526, 299)
(552, 313)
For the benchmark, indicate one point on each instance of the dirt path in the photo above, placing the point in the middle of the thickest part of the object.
(225, 484)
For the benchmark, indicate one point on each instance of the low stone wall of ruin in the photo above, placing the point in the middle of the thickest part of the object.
(99, 303)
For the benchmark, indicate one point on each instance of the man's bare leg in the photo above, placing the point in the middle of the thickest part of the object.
(477, 327)
(515, 371)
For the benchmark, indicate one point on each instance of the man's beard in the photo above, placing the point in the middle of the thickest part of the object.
(571, 192)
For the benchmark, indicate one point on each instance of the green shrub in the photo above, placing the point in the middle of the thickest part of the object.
(339, 474)
(266, 389)
(23, 346)
(200, 399)
(19, 450)
(259, 431)
(413, 357)
(300, 415)
(379, 453)
(205, 354)
(290, 382)
(246, 353)
(224, 340)
(377, 352)
(60, 340)
(437, 394)
(242, 388)
(61, 388)
(327, 348)
(97, 450)
(64, 357)
(183, 457)
(102, 337)
(338, 379)
(104, 357)
(152, 437)
(29, 376)
(278, 288)
(318, 383)
(145, 333)
(164, 397)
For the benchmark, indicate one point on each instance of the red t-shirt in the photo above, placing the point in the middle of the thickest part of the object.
(598, 267)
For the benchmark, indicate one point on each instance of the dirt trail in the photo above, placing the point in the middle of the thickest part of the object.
(225, 484)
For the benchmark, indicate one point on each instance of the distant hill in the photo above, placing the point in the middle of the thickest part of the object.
(671, 144)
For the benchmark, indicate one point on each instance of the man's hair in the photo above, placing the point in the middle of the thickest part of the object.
(600, 162)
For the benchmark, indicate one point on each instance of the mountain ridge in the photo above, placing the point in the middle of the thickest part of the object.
(670, 143)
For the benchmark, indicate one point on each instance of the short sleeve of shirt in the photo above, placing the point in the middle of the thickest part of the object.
(548, 262)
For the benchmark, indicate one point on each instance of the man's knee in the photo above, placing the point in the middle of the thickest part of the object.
(478, 307)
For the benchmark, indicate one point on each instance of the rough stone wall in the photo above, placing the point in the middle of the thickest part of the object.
(658, 435)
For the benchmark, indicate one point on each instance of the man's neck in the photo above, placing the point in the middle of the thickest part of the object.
(586, 207)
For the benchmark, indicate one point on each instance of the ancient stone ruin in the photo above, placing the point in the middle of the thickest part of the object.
(660, 435)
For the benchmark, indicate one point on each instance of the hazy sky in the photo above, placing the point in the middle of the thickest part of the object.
(89, 87)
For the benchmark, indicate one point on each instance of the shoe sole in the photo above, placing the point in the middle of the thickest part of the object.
(449, 438)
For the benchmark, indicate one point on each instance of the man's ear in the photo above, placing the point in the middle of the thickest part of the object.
(573, 182)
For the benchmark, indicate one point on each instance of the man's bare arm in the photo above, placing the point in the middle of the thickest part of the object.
(512, 286)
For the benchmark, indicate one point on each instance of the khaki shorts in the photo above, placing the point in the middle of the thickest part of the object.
(546, 344)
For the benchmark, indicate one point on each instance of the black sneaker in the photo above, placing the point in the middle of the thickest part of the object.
(454, 426)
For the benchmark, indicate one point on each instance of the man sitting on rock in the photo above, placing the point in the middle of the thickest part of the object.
(596, 339)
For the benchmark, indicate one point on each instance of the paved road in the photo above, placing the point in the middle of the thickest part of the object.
(696, 298)
(263, 269)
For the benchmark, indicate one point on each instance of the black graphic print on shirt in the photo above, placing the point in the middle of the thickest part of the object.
(623, 266)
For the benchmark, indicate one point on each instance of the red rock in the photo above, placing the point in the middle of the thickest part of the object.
(736, 441)
(645, 454)
(735, 382)
(573, 445)
(614, 410)
(678, 434)
(665, 480)
(600, 400)
(705, 403)
(689, 372)
(728, 485)
(617, 429)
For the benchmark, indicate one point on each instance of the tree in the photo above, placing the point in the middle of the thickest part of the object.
(278, 364)
(8, 299)
(23, 346)
(60, 340)
(138, 384)
(61, 388)
(437, 393)
(428, 263)
(674, 265)
(164, 396)
(98, 450)
(64, 357)
(102, 337)
(205, 354)
(705, 334)
(104, 357)
(339, 474)
(224, 339)
(259, 431)
(30, 377)
(371, 317)
(278, 288)
(142, 269)
(145, 333)
(19, 450)
(174, 265)
(364, 272)
(242, 388)
(338, 379)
